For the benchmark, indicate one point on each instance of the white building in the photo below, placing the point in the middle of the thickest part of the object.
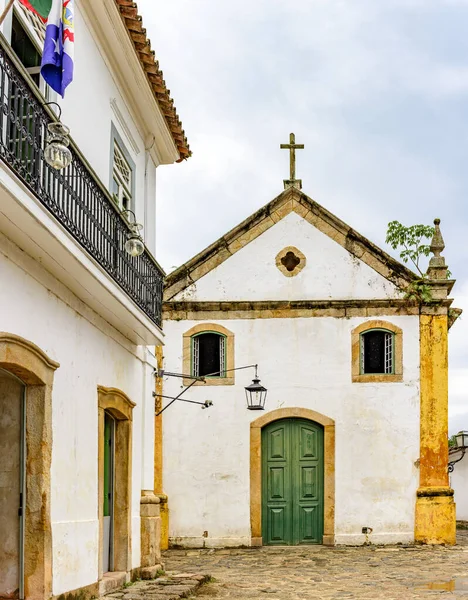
(348, 449)
(458, 468)
(79, 316)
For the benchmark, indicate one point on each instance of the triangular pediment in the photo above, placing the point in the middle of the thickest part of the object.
(290, 201)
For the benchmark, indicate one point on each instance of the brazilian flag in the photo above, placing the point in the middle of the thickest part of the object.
(40, 7)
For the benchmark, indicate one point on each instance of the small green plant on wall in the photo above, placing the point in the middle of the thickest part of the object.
(413, 243)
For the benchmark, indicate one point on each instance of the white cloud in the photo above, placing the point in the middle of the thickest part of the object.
(372, 88)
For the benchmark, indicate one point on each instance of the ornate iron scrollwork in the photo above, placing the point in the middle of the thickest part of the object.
(73, 196)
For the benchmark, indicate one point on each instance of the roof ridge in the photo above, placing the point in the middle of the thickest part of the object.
(290, 200)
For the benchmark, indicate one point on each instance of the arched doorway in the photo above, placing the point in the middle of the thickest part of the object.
(256, 460)
(292, 482)
(12, 484)
(27, 378)
(115, 479)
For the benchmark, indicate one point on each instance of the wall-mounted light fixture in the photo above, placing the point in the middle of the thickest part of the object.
(255, 392)
(134, 244)
(461, 440)
(57, 153)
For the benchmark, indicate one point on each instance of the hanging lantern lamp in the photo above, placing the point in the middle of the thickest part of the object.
(462, 439)
(134, 244)
(256, 394)
(57, 153)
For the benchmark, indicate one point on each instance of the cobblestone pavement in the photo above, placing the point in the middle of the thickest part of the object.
(300, 573)
(175, 587)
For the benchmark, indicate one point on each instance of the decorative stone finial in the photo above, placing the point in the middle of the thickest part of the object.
(437, 244)
(437, 271)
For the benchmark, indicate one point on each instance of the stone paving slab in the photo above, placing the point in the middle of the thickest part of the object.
(321, 573)
(168, 587)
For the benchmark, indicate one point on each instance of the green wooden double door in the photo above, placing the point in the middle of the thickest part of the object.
(292, 483)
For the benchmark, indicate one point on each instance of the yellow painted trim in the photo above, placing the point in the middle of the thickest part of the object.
(435, 521)
(356, 375)
(119, 405)
(187, 354)
(164, 509)
(158, 426)
(302, 261)
(256, 469)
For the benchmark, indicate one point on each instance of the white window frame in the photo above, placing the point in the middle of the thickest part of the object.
(389, 350)
(196, 354)
(35, 29)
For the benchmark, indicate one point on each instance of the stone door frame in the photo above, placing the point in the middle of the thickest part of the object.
(35, 369)
(256, 469)
(120, 407)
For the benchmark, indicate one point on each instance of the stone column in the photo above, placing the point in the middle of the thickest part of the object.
(435, 509)
(150, 534)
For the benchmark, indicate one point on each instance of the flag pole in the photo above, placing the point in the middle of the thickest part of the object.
(6, 11)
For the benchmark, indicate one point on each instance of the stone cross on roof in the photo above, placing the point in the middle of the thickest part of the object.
(292, 147)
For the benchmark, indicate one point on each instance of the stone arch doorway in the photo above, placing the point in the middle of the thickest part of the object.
(256, 427)
(28, 372)
(12, 484)
(115, 410)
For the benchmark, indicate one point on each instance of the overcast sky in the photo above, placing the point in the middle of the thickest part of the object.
(377, 90)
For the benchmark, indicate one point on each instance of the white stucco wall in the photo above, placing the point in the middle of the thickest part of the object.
(252, 274)
(90, 353)
(459, 482)
(303, 362)
(93, 103)
(88, 101)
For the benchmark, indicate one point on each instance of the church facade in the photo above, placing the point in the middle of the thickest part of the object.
(351, 446)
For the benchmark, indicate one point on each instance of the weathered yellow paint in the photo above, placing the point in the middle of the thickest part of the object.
(158, 456)
(164, 508)
(435, 520)
(158, 431)
(435, 509)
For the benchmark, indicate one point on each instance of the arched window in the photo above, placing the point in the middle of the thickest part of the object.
(377, 352)
(208, 351)
(209, 354)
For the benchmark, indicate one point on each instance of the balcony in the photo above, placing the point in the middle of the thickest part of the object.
(75, 196)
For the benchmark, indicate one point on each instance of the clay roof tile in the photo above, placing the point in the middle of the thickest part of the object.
(149, 64)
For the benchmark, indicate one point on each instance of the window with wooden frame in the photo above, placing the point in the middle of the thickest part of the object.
(209, 354)
(208, 351)
(377, 353)
(27, 41)
(122, 179)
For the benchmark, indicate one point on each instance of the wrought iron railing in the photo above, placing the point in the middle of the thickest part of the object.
(74, 196)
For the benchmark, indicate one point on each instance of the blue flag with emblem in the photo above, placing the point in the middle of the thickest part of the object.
(57, 58)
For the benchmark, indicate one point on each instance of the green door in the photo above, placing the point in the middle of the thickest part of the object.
(108, 508)
(292, 483)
